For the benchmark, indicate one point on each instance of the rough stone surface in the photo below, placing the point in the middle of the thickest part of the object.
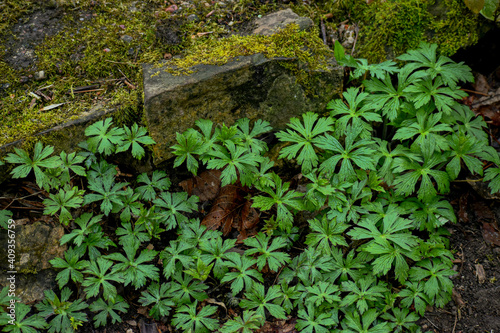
(36, 245)
(269, 24)
(64, 137)
(252, 86)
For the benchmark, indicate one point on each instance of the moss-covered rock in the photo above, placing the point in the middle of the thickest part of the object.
(249, 86)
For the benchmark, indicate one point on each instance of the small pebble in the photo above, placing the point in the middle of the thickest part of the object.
(40, 75)
(192, 18)
(127, 39)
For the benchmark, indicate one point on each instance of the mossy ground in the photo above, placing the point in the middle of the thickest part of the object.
(92, 50)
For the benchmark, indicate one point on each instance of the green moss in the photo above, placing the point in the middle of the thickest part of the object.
(460, 28)
(393, 27)
(290, 42)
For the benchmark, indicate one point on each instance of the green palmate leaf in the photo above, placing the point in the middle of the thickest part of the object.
(354, 151)
(243, 276)
(108, 192)
(427, 129)
(100, 277)
(319, 190)
(134, 270)
(354, 323)
(260, 300)
(357, 113)
(71, 162)
(101, 170)
(132, 234)
(190, 320)
(40, 160)
(430, 215)
(468, 122)
(304, 136)
(71, 265)
(493, 176)
(160, 297)
(288, 294)
(173, 205)
(437, 275)
(426, 90)
(200, 271)
(184, 288)
(108, 309)
(390, 99)
(283, 198)
(322, 292)
(247, 323)
(101, 139)
(130, 206)
(62, 202)
(425, 57)
(88, 224)
(394, 229)
(310, 266)
(194, 233)
(188, 145)
(413, 294)
(21, 324)
(159, 181)
(364, 292)
(134, 137)
(351, 267)
(405, 183)
(65, 313)
(311, 321)
(386, 156)
(173, 254)
(402, 321)
(464, 149)
(376, 70)
(248, 138)
(236, 162)
(326, 234)
(215, 251)
(268, 253)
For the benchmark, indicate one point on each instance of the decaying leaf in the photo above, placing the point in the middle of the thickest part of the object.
(457, 298)
(206, 186)
(491, 234)
(474, 5)
(480, 273)
(248, 220)
(225, 208)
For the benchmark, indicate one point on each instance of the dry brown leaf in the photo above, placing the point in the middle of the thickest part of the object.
(491, 234)
(225, 208)
(206, 186)
(480, 273)
(457, 298)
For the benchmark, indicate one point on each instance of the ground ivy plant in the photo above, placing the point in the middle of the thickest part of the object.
(374, 169)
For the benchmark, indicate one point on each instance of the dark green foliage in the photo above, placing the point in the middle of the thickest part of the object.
(354, 243)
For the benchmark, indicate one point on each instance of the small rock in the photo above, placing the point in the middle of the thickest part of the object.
(193, 18)
(132, 322)
(23, 79)
(40, 75)
(127, 39)
(131, 51)
(130, 330)
(4, 86)
(269, 24)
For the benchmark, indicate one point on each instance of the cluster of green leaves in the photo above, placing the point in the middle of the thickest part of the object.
(373, 255)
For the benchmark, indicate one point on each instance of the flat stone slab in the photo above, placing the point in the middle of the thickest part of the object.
(250, 86)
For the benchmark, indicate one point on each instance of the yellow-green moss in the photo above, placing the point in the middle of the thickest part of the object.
(390, 28)
(290, 42)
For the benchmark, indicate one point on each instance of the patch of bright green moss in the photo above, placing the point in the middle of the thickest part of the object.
(391, 28)
(290, 42)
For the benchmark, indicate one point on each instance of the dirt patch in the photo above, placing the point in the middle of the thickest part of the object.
(30, 32)
(480, 310)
